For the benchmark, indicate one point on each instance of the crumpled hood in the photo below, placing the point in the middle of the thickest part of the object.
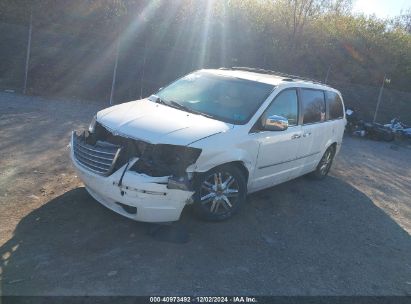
(157, 123)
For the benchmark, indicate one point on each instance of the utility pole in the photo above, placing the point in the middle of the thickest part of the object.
(328, 73)
(385, 80)
(26, 69)
(113, 83)
(143, 70)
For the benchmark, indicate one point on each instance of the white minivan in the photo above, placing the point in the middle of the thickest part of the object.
(207, 140)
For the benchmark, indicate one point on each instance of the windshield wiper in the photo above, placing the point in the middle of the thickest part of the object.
(187, 109)
(199, 113)
(159, 100)
(175, 104)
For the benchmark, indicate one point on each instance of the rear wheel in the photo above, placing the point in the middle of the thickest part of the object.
(324, 165)
(388, 136)
(220, 193)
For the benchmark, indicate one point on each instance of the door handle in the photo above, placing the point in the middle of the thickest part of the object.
(307, 134)
(295, 136)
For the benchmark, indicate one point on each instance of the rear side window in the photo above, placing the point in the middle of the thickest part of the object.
(313, 106)
(334, 105)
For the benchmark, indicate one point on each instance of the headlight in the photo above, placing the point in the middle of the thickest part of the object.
(164, 160)
(173, 154)
(92, 125)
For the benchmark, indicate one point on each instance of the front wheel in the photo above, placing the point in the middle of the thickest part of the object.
(220, 193)
(324, 165)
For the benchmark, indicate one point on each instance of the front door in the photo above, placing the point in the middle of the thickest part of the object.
(278, 150)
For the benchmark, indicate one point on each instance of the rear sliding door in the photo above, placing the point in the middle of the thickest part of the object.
(314, 129)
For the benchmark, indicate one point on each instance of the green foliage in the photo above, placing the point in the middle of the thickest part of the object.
(304, 37)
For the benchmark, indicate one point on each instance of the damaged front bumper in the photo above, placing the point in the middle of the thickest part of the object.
(134, 195)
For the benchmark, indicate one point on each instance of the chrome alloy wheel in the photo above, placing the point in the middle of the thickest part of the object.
(326, 162)
(219, 192)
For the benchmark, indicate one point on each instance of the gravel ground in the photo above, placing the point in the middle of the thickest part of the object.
(346, 235)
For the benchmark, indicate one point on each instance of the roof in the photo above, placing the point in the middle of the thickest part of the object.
(265, 76)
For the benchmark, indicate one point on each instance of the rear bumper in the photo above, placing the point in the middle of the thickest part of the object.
(140, 197)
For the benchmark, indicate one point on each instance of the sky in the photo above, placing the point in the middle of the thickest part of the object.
(381, 8)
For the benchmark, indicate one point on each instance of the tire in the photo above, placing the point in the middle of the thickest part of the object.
(219, 193)
(324, 165)
(388, 136)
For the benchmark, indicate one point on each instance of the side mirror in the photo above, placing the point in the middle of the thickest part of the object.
(275, 123)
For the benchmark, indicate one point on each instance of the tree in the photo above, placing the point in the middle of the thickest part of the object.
(403, 21)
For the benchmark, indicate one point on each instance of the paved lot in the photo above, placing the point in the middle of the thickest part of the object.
(346, 235)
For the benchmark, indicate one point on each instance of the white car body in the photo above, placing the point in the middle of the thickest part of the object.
(268, 158)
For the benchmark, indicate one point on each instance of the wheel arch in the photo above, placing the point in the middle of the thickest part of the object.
(330, 144)
(334, 145)
(240, 165)
(236, 163)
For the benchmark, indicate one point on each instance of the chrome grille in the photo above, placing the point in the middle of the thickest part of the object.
(99, 158)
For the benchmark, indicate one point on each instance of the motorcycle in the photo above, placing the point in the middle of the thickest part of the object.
(370, 130)
(401, 130)
(378, 131)
(353, 124)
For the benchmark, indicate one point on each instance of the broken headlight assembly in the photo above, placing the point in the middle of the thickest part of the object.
(156, 160)
(166, 160)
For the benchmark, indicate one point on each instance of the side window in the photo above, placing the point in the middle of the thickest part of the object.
(313, 105)
(284, 104)
(334, 105)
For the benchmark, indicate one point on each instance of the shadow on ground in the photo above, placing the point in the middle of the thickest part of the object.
(302, 237)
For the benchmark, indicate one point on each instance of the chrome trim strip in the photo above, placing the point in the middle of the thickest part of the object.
(85, 151)
(92, 162)
(287, 161)
(88, 168)
(89, 162)
(88, 157)
(94, 150)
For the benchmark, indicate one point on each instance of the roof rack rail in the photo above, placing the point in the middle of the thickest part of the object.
(270, 72)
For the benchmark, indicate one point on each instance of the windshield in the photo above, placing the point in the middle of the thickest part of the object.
(224, 98)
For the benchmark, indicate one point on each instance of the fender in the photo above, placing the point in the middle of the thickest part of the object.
(208, 162)
(223, 148)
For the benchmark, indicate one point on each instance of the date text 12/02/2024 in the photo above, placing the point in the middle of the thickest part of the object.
(200, 299)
